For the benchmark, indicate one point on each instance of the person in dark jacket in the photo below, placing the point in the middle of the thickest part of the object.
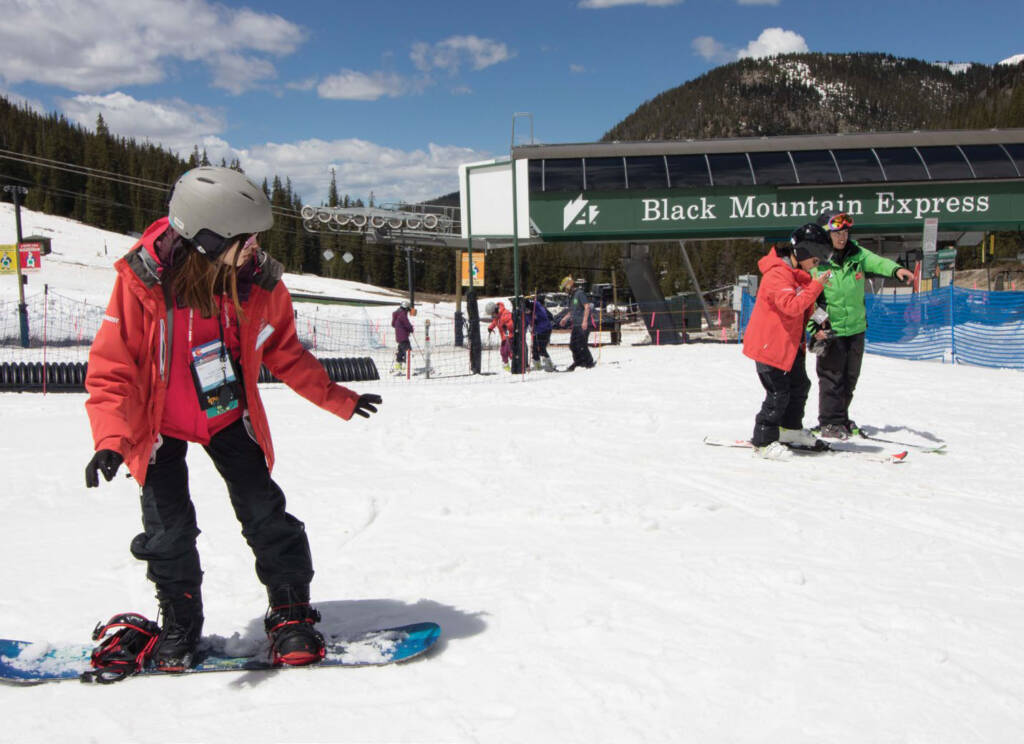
(403, 330)
(838, 367)
(774, 339)
(580, 308)
(539, 321)
(196, 309)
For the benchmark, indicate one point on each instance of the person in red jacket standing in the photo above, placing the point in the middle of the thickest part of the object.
(196, 309)
(775, 341)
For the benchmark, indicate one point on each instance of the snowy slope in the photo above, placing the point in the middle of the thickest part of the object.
(600, 574)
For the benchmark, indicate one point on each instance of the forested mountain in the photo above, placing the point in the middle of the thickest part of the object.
(119, 184)
(829, 93)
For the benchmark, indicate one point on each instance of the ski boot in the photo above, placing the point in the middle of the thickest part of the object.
(290, 626)
(773, 451)
(834, 431)
(181, 626)
(801, 439)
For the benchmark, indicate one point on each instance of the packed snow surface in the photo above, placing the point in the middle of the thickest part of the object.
(600, 574)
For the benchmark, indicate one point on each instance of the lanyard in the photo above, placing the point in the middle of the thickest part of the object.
(220, 330)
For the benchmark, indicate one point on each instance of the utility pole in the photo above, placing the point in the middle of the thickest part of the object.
(16, 192)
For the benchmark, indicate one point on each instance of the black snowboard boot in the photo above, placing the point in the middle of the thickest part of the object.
(181, 623)
(290, 626)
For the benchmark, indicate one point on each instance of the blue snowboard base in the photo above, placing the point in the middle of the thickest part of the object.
(26, 663)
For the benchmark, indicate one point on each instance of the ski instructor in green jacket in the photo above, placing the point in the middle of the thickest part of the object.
(839, 363)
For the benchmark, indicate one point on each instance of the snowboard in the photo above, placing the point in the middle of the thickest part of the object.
(25, 663)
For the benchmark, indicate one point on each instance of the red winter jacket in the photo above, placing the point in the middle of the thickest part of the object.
(130, 358)
(785, 301)
(503, 322)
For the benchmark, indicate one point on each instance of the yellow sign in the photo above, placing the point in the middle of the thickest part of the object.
(478, 269)
(8, 257)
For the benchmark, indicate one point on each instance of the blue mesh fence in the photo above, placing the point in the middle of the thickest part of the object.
(954, 324)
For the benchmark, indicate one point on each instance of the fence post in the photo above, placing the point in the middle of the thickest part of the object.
(952, 324)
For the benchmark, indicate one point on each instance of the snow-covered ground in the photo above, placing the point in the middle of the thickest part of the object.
(600, 574)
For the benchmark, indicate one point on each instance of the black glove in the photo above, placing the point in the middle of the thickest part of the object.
(367, 404)
(107, 462)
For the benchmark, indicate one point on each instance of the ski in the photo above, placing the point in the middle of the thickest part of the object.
(928, 449)
(894, 458)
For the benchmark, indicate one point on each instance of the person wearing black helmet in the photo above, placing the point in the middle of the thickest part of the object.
(775, 341)
(839, 365)
(197, 308)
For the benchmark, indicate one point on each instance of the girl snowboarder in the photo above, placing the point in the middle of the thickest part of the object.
(195, 310)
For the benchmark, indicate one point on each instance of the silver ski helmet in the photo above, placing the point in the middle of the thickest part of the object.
(212, 206)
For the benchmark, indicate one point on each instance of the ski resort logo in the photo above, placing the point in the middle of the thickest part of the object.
(579, 212)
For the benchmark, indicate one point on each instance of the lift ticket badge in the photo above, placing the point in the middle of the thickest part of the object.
(214, 375)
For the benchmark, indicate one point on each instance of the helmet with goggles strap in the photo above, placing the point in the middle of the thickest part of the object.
(834, 221)
(212, 207)
(810, 233)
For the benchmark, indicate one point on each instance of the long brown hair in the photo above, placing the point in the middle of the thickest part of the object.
(197, 281)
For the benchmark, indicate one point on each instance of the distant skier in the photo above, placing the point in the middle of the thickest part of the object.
(501, 320)
(839, 366)
(774, 339)
(403, 330)
(196, 309)
(538, 319)
(580, 308)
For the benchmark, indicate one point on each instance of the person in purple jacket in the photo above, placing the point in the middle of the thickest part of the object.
(538, 320)
(403, 329)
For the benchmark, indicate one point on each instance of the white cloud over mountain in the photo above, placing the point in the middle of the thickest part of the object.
(770, 42)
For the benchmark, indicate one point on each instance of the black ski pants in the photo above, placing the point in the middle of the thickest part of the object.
(540, 345)
(579, 345)
(838, 370)
(784, 400)
(402, 355)
(168, 543)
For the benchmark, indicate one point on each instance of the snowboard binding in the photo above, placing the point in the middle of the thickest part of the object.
(126, 643)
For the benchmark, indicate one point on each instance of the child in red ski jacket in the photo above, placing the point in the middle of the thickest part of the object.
(774, 339)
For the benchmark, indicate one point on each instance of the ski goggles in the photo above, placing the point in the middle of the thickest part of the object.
(212, 245)
(841, 221)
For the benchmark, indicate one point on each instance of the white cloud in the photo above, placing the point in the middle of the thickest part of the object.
(451, 53)
(361, 167)
(774, 41)
(577, 68)
(359, 86)
(92, 46)
(599, 4)
(173, 124)
(712, 49)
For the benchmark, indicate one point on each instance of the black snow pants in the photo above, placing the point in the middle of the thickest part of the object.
(540, 345)
(784, 400)
(838, 370)
(168, 543)
(579, 345)
(402, 355)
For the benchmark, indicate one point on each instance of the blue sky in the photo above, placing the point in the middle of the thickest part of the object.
(394, 95)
